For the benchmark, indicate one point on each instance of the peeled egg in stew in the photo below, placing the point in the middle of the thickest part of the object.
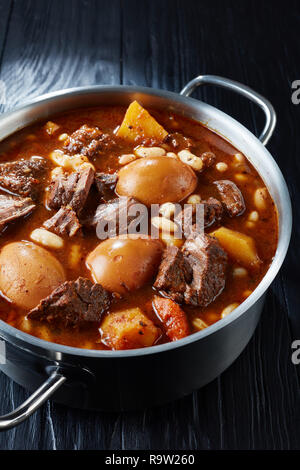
(124, 263)
(156, 180)
(28, 273)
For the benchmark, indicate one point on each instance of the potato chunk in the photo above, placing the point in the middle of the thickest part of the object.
(238, 245)
(128, 329)
(139, 123)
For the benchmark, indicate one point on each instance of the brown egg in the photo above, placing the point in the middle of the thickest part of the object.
(156, 180)
(124, 264)
(28, 273)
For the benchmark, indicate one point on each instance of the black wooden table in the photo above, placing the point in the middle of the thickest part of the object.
(47, 45)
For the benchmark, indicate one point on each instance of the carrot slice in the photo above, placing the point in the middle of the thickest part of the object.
(173, 318)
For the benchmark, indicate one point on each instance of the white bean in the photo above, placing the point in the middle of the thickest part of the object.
(171, 155)
(241, 177)
(227, 310)
(124, 159)
(253, 216)
(163, 224)
(190, 159)
(75, 254)
(239, 157)
(167, 209)
(150, 152)
(222, 166)
(63, 137)
(194, 199)
(70, 162)
(260, 198)
(199, 324)
(46, 238)
(86, 165)
(239, 272)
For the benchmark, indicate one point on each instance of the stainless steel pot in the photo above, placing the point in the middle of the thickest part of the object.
(123, 380)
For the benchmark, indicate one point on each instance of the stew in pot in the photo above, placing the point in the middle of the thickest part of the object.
(123, 229)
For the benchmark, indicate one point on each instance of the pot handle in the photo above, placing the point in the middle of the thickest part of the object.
(33, 402)
(241, 89)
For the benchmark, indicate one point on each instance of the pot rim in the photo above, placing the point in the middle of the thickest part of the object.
(282, 247)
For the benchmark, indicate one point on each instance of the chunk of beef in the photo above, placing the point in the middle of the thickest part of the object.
(56, 192)
(71, 190)
(178, 141)
(173, 318)
(212, 212)
(174, 274)
(208, 159)
(12, 207)
(231, 197)
(114, 214)
(21, 177)
(105, 182)
(64, 222)
(72, 304)
(208, 261)
(194, 275)
(88, 141)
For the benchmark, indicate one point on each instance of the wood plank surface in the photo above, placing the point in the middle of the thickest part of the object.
(49, 45)
(5, 13)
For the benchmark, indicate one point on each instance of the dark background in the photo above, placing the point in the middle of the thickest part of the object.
(49, 45)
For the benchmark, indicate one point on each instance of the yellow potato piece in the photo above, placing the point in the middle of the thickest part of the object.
(139, 123)
(238, 245)
(128, 329)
